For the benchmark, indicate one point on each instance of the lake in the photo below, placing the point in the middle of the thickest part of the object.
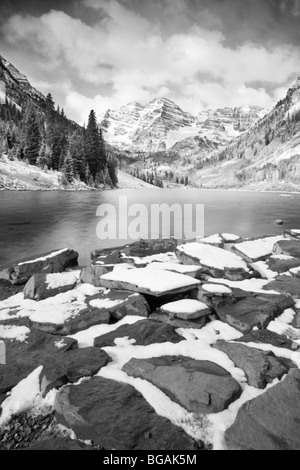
(34, 222)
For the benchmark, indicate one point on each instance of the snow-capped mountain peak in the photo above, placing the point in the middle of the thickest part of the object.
(162, 123)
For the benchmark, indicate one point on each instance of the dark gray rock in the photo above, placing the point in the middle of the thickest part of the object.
(285, 285)
(116, 416)
(253, 310)
(81, 320)
(70, 366)
(282, 266)
(269, 337)
(7, 289)
(144, 332)
(120, 303)
(287, 247)
(37, 287)
(260, 367)
(270, 421)
(56, 261)
(91, 274)
(23, 357)
(198, 386)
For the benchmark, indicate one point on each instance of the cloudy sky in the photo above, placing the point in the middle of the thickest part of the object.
(202, 54)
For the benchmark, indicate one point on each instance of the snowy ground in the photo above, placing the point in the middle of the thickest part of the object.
(18, 175)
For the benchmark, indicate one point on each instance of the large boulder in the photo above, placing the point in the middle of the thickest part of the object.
(260, 367)
(214, 261)
(270, 421)
(116, 416)
(198, 386)
(252, 310)
(144, 332)
(21, 271)
(42, 285)
(287, 247)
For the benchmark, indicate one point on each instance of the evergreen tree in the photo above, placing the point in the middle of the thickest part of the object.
(44, 158)
(94, 146)
(32, 136)
(76, 150)
(68, 168)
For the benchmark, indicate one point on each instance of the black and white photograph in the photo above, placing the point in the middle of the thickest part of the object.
(149, 228)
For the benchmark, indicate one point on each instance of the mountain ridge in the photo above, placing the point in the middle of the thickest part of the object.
(161, 124)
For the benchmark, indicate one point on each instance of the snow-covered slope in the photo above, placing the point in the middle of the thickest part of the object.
(267, 156)
(162, 125)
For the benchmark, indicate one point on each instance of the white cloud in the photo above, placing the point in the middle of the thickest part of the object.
(139, 61)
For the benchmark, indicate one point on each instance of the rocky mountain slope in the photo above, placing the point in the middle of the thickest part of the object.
(161, 125)
(15, 86)
(264, 157)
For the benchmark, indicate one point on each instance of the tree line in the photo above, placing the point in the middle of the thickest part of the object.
(46, 138)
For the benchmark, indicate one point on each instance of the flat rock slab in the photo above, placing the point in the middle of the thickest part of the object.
(84, 317)
(254, 310)
(285, 285)
(146, 281)
(269, 337)
(288, 247)
(257, 249)
(70, 366)
(23, 357)
(188, 270)
(139, 248)
(116, 416)
(214, 261)
(21, 271)
(58, 443)
(120, 303)
(198, 386)
(177, 322)
(144, 332)
(186, 309)
(42, 285)
(270, 421)
(259, 366)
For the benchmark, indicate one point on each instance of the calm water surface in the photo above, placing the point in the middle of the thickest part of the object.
(36, 222)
